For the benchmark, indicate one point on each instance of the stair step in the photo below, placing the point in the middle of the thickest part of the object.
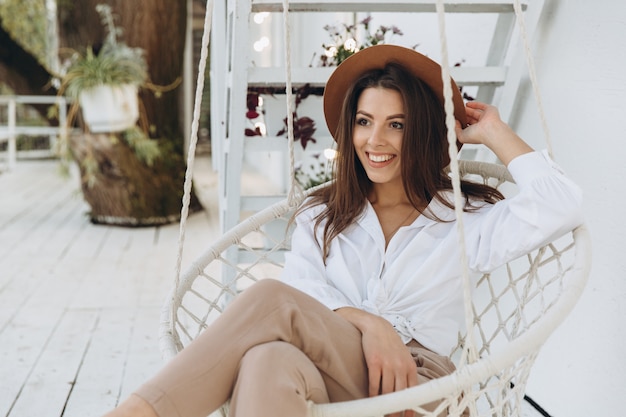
(256, 203)
(279, 143)
(273, 77)
(467, 6)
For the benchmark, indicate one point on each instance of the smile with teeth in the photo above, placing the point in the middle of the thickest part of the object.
(380, 158)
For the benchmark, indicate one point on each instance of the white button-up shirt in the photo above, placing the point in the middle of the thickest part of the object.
(415, 283)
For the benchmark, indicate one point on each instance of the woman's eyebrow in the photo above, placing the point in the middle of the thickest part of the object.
(393, 116)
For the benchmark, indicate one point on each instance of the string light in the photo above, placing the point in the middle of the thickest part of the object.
(261, 44)
(330, 154)
(260, 17)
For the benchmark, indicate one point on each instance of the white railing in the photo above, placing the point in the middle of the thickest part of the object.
(12, 130)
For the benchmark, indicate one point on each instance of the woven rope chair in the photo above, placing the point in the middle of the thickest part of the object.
(510, 314)
(515, 308)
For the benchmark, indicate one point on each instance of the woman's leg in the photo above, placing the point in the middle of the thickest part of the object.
(430, 366)
(276, 379)
(201, 377)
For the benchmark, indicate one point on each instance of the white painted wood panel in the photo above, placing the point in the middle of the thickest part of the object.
(45, 392)
(79, 301)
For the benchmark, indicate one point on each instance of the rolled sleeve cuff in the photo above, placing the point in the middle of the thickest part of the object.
(528, 167)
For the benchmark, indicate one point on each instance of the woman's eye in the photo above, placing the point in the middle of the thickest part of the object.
(362, 121)
(397, 125)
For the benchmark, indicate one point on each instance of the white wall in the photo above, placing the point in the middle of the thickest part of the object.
(581, 67)
(582, 70)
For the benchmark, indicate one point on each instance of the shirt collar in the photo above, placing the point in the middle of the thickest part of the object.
(436, 208)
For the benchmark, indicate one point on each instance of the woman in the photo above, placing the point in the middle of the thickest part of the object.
(373, 301)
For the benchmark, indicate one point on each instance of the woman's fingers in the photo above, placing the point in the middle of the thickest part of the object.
(398, 379)
(374, 381)
(479, 117)
(413, 381)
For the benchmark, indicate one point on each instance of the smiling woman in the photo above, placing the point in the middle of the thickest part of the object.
(370, 302)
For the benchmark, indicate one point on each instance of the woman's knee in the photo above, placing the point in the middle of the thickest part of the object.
(265, 355)
(268, 289)
(283, 366)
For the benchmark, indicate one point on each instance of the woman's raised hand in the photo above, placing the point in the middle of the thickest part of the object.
(484, 126)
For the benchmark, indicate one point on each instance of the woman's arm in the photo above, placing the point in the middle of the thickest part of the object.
(547, 205)
(485, 127)
(304, 267)
(390, 364)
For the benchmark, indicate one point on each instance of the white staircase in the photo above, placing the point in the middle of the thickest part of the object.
(232, 73)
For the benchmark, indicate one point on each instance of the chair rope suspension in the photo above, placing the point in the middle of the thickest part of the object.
(169, 316)
(295, 191)
(530, 62)
(470, 348)
(193, 139)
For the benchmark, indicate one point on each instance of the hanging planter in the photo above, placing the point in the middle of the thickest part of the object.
(105, 81)
(122, 173)
(109, 108)
(105, 86)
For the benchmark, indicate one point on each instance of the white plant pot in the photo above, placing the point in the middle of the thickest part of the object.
(110, 108)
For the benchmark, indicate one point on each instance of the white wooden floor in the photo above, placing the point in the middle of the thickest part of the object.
(79, 303)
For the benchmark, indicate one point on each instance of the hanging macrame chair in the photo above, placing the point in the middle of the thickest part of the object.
(511, 311)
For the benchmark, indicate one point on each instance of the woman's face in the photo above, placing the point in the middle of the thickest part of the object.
(378, 133)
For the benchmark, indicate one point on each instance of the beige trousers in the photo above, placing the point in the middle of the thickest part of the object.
(272, 350)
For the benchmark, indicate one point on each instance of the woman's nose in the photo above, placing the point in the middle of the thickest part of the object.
(377, 136)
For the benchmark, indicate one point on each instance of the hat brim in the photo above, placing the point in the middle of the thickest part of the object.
(377, 57)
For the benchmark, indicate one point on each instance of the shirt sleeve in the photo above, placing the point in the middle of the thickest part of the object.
(547, 205)
(304, 268)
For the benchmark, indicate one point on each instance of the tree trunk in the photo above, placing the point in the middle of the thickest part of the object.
(156, 26)
(126, 191)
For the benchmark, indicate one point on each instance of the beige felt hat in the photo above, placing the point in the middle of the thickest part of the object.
(377, 57)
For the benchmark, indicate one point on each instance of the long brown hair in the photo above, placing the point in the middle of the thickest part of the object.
(424, 156)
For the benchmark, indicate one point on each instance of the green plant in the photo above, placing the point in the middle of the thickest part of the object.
(318, 172)
(114, 64)
(146, 149)
(345, 40)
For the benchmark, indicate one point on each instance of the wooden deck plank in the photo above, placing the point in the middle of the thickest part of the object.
(79, 301)
(47, 246)
(97, 386)
(53, 376)
(22, 343)
(144, 358)
(30, 328)
(31, 307)
(14, 185)
(25, 216)
(25, 188)
(108, 285)
(48, 279)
